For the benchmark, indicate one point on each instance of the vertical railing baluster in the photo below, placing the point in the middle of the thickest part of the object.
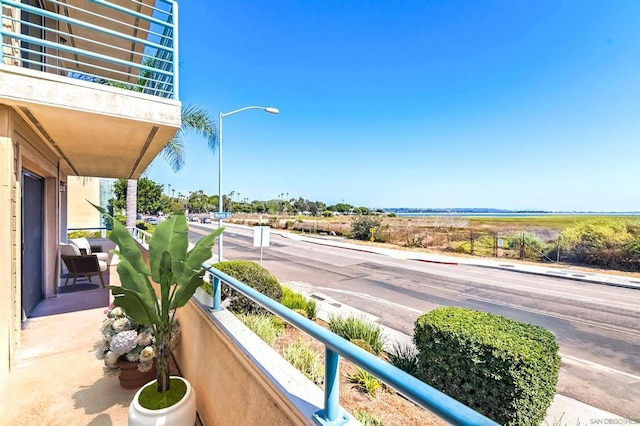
(331, 384)
(331, 414)
(217, 297)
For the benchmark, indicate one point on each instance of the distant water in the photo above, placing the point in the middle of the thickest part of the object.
(512, 214)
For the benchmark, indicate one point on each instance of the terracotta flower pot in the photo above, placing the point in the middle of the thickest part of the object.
(131, 378)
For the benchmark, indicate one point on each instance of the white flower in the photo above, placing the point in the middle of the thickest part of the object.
(143, 367)
(106, 324)
(117, 312)
(124, 342)
(147, 354)
(120, 324)
(133, 357)
(145, 338)
(100, 353)
(111, 358)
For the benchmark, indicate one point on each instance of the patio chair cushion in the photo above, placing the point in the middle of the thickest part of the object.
(102, 264)
(83, 244)
(69, 249)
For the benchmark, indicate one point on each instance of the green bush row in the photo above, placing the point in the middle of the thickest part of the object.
(84, 234)
(502, 368)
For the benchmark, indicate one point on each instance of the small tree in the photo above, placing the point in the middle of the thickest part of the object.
(361, 226)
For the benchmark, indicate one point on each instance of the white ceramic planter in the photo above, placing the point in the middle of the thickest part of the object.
(179, 414)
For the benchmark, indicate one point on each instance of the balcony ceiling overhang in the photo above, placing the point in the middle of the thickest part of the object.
(96, 129)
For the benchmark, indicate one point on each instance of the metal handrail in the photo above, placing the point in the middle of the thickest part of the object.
(419, 392)
(156, 62)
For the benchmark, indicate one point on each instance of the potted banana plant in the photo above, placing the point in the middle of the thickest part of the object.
(178, 273)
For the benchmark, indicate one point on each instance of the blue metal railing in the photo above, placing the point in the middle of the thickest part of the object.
(134, 46)
(142, 236)
(422, 394)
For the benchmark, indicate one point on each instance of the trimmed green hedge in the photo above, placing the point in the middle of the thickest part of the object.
(251, 274)
(502, 368)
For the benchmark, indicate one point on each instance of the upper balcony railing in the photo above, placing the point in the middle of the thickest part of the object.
(131, 44)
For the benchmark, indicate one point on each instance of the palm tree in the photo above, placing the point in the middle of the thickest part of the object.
(194, 119)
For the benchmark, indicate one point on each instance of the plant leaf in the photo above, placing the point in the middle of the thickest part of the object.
(200, 253)
(130, 279)
(184, 292)
(170, 235)
(131, 301)
(127, 247)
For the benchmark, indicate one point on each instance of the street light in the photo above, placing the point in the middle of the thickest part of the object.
(270, 110)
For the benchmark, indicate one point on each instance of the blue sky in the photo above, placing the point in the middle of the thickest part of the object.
(503, 104)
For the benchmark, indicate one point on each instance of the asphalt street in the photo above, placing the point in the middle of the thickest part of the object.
(597, 327)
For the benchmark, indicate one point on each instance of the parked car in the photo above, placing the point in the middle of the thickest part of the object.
(205, 220)
(152, 221)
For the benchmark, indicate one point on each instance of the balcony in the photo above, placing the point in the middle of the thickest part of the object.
(95, 79)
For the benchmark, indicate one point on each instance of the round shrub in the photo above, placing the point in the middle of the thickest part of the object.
(253, 275)
(504, 369)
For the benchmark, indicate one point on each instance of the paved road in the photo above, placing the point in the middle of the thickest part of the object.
(597, 326)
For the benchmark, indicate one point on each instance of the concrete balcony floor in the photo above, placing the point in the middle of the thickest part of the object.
(56, 378)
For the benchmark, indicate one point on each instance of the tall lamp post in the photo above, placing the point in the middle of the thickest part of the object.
(270, 110)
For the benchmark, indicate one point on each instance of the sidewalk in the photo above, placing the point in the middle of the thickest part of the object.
(564, 411)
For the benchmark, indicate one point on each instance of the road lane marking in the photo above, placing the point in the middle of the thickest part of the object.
(598, 366)
(311, 288)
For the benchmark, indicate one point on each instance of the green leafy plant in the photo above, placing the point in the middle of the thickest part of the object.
(361, 226)
(294, 300)
(177, 271)
(352, 328)
(405, 357)
(365, 382)
(263, 326)
(502, 368)
(362, 344)
(367, 419)
(306, 360)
